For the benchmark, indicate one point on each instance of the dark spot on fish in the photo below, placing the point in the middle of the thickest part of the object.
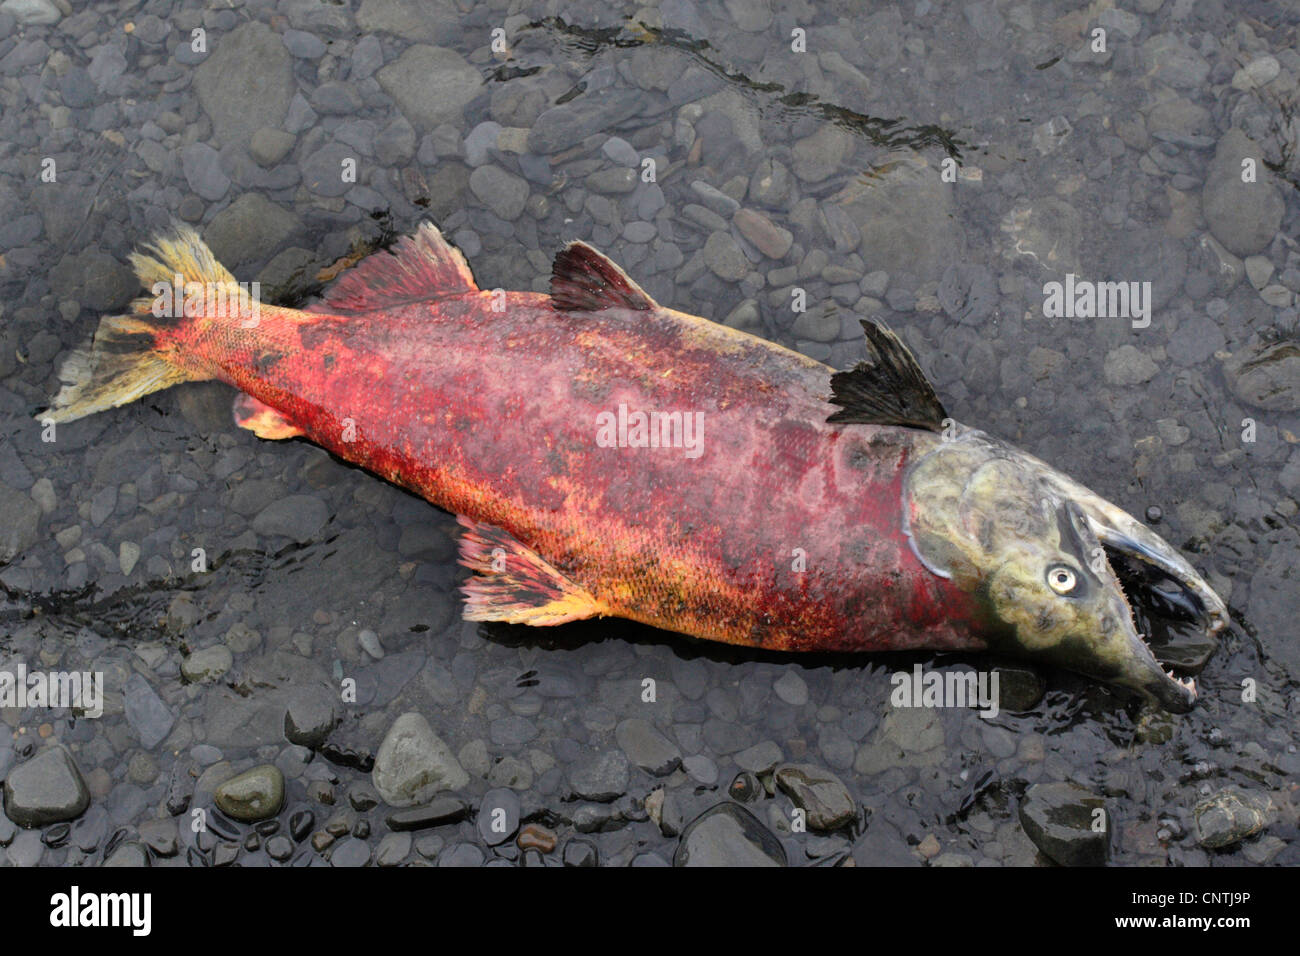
(329, 361)
(312, 334)
(267, 360)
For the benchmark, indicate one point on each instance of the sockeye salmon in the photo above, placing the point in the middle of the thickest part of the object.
(609, 456)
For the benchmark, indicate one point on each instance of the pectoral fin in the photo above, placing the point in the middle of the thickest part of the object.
(513, 583)
(262, 420)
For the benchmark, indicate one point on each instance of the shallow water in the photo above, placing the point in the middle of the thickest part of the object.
(1098, 164)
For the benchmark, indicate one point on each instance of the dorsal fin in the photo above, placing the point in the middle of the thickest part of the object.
(887, 389)
(584, 280)
(419, 267)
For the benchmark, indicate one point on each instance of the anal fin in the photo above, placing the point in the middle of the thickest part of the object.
(262, 420)
(513, 583)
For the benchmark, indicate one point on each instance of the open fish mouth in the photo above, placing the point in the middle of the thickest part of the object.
(1175, 617)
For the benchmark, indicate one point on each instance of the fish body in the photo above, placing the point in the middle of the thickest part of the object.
(611, 457)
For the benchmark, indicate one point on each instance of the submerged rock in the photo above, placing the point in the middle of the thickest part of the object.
(414, 763)
(46, 789)
(728, 835)
(819, 793)
(1064, 821)
(1230, 816)
(255, 794)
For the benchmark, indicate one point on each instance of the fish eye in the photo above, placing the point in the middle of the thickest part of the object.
(1061, 579)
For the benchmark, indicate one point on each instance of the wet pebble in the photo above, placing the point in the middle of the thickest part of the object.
(253, 795)
(498, 816)
(1230, 816)
(728, 835)
(46, 789)
(1068, 823)
(822, 795)
(414, 763)
(298, 517)
(647, 748)
(599, 776)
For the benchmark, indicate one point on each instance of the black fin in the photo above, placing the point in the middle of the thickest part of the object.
(584, 280)
(887, 389)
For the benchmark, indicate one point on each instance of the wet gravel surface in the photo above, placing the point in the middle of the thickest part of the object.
(280, 634)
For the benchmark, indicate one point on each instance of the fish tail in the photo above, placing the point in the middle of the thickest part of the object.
(135, 354)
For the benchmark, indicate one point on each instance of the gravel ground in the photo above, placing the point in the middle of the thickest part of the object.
(288, 680)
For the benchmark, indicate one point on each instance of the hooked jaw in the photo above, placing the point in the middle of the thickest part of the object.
(1183, 595)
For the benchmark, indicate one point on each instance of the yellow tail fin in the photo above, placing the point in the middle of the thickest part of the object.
(123, 362)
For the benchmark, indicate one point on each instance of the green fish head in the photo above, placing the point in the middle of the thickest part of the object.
(1044, 555)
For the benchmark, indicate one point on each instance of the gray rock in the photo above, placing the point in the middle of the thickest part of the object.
(791, 688)
(1230, 816)
(430, 85)
(202, 167)
(323, 171)
(414, 763)
(906, 218)
(298, 517)
(498, 816)
(647, 748)
(250, 229)
(1243, 216)
(728, 835)
(565, 125)
(968, 292)
(1067, 823)
(207, 664)
(818, 156)
(601, 777)
(770, 184)
(1169, 58)
(393, 849)
(20, 517)
(752, 16)
(268, 146)
(246, 83)
(760, 758)
(822, 795)
(724, 258)
(32, 13)
(146, 712)
(130, 854)
(618, 180)
(46, 789)
(502, 192)
(160, 836)
(255, 794)
(350, 853)
(1128, 365)
(1266, 375)
(305, 46)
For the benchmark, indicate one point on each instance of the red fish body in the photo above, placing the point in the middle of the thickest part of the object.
(778, 531)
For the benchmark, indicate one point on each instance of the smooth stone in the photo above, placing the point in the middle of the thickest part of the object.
(414, 763)
(1062, 821)
(253, 795)
(46, 789)
(728, 835)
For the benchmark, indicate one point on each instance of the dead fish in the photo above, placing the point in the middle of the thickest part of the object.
(608, 456)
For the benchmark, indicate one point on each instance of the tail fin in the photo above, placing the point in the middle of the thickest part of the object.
(123, 361)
